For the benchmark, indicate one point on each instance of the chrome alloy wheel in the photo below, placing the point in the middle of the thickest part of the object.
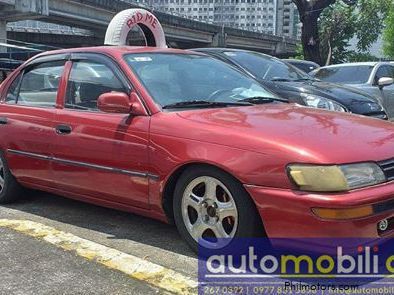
(209, 212)
(2, 176)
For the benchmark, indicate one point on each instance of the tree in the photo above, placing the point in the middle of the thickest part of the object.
(336, 28)
(329, 25)
(370, 19)
(354, 56)
(388, 35)
(310, 11)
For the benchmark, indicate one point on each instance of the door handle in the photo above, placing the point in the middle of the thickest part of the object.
(63, 129)
(3, 120)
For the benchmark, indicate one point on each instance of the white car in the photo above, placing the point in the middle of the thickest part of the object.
(376, 78)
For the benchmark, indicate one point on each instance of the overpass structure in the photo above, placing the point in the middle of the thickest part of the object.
(95, 15)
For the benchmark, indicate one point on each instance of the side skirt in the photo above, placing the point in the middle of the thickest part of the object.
(160, 216)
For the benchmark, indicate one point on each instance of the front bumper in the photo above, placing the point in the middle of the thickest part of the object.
(288, 213)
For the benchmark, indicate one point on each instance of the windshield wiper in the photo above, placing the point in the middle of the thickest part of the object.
(281, 80)
(305, 79)
(203, 104)
(262, 99)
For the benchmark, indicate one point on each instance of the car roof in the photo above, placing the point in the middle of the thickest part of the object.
(300, 61)
(114, 50)
(217, 49)
(352, 64)
(224, 49)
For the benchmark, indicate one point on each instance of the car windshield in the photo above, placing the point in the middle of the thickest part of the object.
(173, 78)
(345, 74)
(265, 67)
(303, 66)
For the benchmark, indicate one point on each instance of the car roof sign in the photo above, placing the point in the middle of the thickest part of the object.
(126, 20)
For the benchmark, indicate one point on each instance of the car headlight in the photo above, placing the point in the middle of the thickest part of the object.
(322, 103)
(335, 178)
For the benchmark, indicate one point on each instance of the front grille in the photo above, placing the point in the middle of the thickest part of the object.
(388, 168)
(383, 206)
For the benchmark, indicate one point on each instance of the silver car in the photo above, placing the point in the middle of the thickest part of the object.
(376, 78)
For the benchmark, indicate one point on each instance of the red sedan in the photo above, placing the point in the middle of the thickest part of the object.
(176, 135)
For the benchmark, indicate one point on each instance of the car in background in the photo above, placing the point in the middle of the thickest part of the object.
(177, 135)
(3, 75)
(295, 85)
(304, 65)
(376, 78)
(7, 66)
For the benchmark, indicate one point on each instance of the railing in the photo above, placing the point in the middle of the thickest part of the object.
(39, 26)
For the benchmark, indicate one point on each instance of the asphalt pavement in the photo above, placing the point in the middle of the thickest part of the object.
(53, 245)
(32, 266)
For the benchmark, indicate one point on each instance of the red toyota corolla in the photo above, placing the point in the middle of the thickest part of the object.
(176, 135)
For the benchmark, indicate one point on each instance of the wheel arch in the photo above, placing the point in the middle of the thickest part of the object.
(170, 183)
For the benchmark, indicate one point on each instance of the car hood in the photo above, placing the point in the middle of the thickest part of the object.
(356, 85)
(298, 133)
(355, 100)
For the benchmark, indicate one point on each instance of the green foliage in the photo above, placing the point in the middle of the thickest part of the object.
(346, 19)
(299, 52)
(336, 28)
(354, 56)
(370, 18)
(388, 35)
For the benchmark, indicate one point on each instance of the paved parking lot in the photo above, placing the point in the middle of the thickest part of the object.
(37, 265)
(32, 266)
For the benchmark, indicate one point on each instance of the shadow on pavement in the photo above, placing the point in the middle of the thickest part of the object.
(118, 224)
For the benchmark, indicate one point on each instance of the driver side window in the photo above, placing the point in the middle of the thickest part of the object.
(383, 72)
(88, 80)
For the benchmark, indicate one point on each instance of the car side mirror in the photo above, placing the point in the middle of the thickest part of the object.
(114, 102)
(121, 103)
(385, 81)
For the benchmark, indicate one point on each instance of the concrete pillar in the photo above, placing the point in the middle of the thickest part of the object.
(219, 40)
(3, 35)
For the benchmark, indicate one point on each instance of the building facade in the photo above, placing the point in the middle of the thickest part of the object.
(269, 16)
(287, 23)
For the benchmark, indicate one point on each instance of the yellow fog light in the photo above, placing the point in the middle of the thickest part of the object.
(343, 214)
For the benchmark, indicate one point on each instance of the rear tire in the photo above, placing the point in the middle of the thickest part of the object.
(10, 189)
(211, 203)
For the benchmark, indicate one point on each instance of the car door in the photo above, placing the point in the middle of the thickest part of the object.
(100, 155)
(27, 120)
(387, 92)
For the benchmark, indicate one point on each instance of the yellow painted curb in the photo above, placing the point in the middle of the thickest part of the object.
(135, 267)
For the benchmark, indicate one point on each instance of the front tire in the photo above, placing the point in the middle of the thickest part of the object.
(10, 190)
(209, 205)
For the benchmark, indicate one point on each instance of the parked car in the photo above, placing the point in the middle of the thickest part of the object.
(376, 78)
(3, 75)
(289, 82)
(177, 135)
(303, 65)
(7, 66)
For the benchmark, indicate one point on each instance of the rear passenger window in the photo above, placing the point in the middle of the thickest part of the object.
(88, 80)
(39, 85)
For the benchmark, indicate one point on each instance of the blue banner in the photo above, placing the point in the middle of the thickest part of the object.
(298, 266)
